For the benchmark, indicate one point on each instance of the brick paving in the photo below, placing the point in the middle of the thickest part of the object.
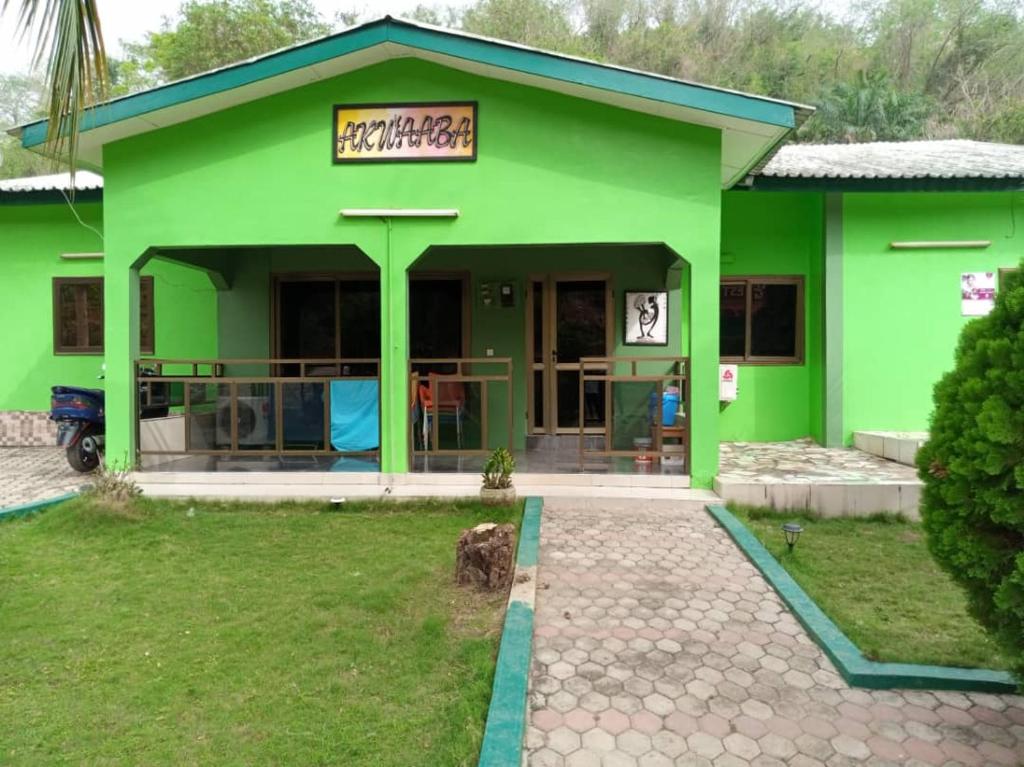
(657, 643)
(34, 474)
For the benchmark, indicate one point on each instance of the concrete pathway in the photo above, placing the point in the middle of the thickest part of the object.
(35, 474)
(657, 643)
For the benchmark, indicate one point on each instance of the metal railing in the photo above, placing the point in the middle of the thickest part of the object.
(231, 407)
(458, 388)
(609, 371)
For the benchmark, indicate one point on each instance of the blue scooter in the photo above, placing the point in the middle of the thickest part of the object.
(81, 424)
(81, 418)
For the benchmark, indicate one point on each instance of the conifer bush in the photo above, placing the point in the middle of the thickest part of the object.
(973, 469)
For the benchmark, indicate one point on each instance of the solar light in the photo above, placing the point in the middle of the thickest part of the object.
(792, 531)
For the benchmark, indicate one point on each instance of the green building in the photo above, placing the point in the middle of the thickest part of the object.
(398, 247)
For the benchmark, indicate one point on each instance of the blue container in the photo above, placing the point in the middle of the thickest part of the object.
(669, 407)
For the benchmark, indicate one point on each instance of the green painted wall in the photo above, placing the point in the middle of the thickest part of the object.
(901, 309)
(32, 237)
(550, 170)
(776, 233)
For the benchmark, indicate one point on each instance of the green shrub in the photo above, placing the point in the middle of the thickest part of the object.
(973, 469)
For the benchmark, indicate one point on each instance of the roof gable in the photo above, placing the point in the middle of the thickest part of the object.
(751, 125)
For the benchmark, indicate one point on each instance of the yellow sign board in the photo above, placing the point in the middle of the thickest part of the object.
(419, 132)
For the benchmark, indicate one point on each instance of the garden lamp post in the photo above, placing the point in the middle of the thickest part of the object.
(792, 531)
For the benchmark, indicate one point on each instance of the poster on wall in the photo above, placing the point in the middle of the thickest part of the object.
(977, 293)
(646, 318)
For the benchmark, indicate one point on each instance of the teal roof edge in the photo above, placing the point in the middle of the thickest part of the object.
(495, 53)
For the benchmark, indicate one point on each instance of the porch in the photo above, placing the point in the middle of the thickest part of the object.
(556, 366)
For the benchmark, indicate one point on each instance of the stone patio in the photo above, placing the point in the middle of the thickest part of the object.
(803, 475)
(657, 643)
(34, 474)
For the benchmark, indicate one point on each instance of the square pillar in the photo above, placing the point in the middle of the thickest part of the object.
(394, 364)
(120, 350)
(832, 385)
(704, 360)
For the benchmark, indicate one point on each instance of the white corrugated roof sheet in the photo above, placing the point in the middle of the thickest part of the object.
(948, 159)
(54, 182)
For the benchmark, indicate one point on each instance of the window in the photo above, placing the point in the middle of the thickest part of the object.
(761, 320)
(78, 315)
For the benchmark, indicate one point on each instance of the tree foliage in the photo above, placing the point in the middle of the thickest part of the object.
(891, 70)
(21, 100)
(973, 468)
(207, 35)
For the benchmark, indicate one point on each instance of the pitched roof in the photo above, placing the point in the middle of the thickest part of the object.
(751, 125)
(955, 160)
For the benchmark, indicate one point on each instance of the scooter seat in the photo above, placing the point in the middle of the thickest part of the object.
(96, 393)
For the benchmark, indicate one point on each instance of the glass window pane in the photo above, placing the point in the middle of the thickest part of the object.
(580, 321)
(360, 319)
(303, 415)
(93, 300)
(773, 320)
(538, 399)
(538, 321)
(306, 310)
(68, 326)
(256, 416)
(146, 332)
(732, 319)
(435, 318)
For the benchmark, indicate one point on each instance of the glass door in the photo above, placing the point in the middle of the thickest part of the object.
(569, 320)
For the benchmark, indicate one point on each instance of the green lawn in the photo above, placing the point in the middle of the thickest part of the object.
(243, 634)
(875, 578)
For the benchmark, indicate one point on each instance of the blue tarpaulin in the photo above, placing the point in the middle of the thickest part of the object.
(355, 420)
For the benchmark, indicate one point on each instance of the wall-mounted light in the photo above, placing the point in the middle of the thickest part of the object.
(399, 212)
(939, 244)
(80, 256)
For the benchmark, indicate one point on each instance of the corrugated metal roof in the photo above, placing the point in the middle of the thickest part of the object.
(950, 159)
(55, 182)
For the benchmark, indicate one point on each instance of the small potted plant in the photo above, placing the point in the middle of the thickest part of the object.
(497, 487)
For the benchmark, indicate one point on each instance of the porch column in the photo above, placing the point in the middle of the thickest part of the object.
(704, 359)
(394, 363)
(120, 350)
(832, 385)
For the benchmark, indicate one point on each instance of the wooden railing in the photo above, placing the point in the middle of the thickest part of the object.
(459, 389)
(637, 370)
(247, 407)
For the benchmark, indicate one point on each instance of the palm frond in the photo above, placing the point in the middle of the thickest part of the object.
(69, 40)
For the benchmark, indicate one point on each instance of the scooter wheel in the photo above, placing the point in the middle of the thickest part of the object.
(81, 459)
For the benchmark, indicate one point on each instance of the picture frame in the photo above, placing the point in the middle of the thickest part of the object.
(645, 318)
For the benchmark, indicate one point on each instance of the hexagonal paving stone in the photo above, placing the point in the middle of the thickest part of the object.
(658, 643)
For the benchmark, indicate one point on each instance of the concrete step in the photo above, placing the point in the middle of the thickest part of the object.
(829, 498)
(899, 446)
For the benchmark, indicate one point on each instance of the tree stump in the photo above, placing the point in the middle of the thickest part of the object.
(484, 557)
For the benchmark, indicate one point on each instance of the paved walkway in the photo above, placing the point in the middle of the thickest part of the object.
(657, 643)
(34, 474)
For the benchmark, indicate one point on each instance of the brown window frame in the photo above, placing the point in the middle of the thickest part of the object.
(748, 281)
(145, 285)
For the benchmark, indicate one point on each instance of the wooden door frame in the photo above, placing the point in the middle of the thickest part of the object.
(550, 280)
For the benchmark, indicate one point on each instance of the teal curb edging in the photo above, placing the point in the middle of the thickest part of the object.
(506, 716)
(857, 670)
(12, 512)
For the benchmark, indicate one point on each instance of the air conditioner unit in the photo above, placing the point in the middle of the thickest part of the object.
(255, 419)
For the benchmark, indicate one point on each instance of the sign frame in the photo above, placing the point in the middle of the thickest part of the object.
(473, 104)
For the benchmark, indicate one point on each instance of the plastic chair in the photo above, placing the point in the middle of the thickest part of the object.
(451, 401)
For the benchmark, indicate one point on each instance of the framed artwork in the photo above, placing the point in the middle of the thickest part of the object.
(646, 322)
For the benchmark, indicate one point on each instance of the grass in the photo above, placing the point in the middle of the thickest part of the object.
(243, 634)
(876, 580)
